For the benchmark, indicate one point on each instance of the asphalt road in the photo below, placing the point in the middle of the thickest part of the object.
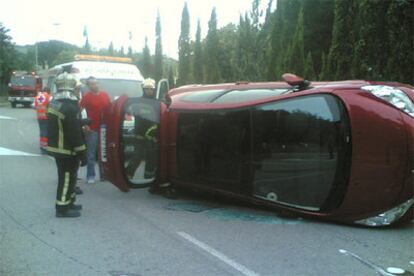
(137, 233)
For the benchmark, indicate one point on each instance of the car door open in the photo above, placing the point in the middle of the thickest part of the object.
(130, 142)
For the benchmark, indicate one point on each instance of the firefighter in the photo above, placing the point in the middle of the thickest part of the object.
(149, 88)
(151, 148)
(41, 102)
(66, 143)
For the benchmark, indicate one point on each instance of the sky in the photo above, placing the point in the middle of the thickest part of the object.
(30, 21)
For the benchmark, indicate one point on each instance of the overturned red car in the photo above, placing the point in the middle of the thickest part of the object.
(338, 151)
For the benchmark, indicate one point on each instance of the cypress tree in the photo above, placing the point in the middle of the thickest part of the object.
(146, 60)
(370, 39)
(158, 59)
(211, 53)
(309, 70)
(295, 59)
(273, 72)
(184, 51)
(86, 46)
(171, 80)
(111, 51)
(341, 50)
(400, 58)
(324, 69)
(198, 72)
(317, 21)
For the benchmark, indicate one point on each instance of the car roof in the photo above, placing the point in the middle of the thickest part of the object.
(184, 97)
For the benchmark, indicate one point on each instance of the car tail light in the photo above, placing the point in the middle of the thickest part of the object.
(392, 95)
(388, 217)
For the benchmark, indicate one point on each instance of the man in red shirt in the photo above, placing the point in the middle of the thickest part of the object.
(95, 101)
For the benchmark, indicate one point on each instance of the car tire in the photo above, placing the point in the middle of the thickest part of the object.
(13, 105)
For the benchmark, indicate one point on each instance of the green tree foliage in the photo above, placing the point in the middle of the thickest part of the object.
(211, 56)
(158, 58)
(49, 50)
(171, 78)
(295, 57)
(227, 38)
(341, 50)
(400, 57)
(246, 55)
(7, 54)
(370, 39)
(146, 64)
(86, 47)
(184, 51)
(198, 69)
(64, 56)
(309, 69)
(275, 56)
(318, 20)
(111, 50)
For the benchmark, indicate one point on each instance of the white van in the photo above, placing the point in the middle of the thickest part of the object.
(115, 75)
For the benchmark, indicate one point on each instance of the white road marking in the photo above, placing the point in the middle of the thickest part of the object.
(7, 118)
(377, 268)
(241, 268)
(10, 152)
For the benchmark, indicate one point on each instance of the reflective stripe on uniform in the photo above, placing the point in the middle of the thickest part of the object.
(60, 142)
(80, 148)
(148, 136)
(60, 115)
(67, 202)
(63, 200)
(62, 151)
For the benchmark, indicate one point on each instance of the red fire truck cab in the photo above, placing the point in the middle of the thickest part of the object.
(23, 88)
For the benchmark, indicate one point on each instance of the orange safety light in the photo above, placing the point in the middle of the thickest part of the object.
(103, 58)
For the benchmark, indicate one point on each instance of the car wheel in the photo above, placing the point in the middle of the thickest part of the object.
(13, 105)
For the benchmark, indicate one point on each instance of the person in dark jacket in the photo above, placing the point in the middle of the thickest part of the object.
(66, 143)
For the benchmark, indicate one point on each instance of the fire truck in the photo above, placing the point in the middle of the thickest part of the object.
(23, 88)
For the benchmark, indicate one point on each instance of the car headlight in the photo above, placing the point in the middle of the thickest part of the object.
(394, 96)
(388, 217)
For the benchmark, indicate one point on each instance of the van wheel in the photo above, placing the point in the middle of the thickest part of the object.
(13, 105)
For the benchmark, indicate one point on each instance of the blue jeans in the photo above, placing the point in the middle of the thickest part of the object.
(92, 145)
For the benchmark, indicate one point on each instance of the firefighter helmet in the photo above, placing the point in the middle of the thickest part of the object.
(65, 86)
(149, 83)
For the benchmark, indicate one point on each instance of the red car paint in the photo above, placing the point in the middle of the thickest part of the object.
(379, 175)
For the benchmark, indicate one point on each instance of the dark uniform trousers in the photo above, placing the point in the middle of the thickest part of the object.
(67, 171)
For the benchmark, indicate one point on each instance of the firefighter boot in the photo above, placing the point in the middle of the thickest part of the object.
(76, 207)
(70, 213)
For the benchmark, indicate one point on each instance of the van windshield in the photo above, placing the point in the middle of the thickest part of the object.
(116, 88)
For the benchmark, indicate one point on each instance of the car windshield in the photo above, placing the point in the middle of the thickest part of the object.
(22, 81)
(116, 88)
